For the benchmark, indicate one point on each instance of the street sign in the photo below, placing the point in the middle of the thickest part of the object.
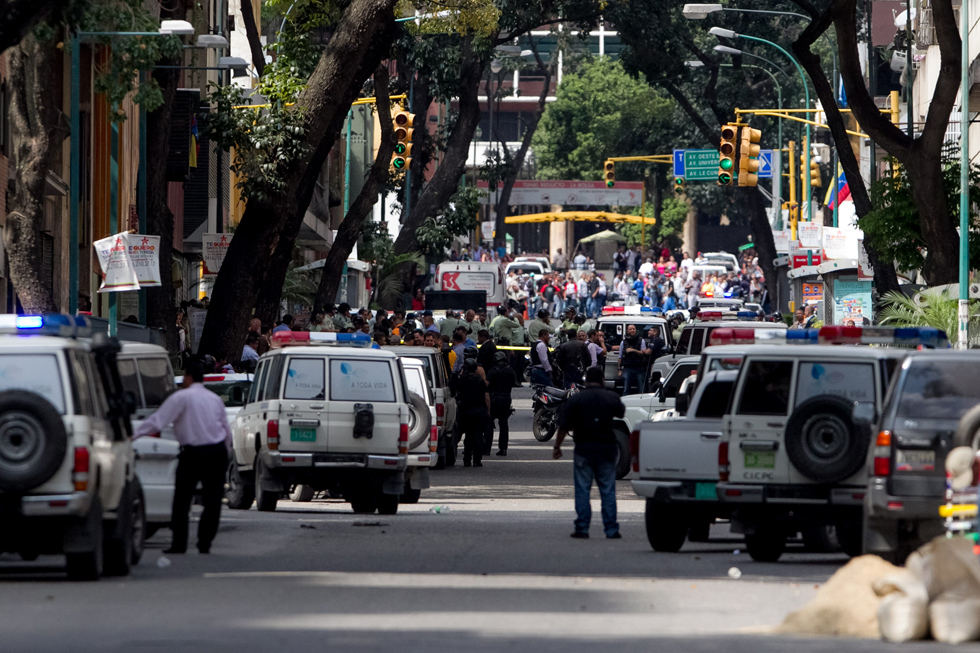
(702, 165)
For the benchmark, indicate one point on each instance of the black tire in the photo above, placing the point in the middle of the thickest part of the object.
(820, 538)
(542, 433)
(387, 503)
(410, 495)
(33, 440)
(302, 493)
(624, 462)
(905, 542)
(766, 544)
(666, 530)
(139, 523)
(240, 493)
(265, 500)
(968, 431)
(823, 443)
(700, 531)
(363, 501)
(419, 420)
(850, 534)
(118, 540)
(87, 565)
(452, 446)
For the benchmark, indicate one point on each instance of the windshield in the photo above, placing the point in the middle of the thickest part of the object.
(37, 373)
(614, 331)
(225, 391)
(942, 390)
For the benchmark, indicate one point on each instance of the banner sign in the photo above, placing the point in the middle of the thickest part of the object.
(809, 235)
(214, 247)
(569, 193)
(812, 293)
(129, 262)
(852, 301)
(781, 238)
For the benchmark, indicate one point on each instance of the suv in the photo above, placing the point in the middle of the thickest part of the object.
(791, 454)
(613, 322)
(66, 456)
(929, 395)
(330, 417)
(435, 366)
(696, 336)
(642, 407)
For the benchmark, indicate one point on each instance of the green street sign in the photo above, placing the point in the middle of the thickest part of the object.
(701, 165)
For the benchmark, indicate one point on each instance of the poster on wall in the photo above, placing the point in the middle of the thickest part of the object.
(128, 262)
(214, 247)
(852, 301)
(781, 239)
(812, 293)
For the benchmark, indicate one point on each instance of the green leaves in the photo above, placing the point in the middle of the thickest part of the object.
(460, 217)
(932, 308)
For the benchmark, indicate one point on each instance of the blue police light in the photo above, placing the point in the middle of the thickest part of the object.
(51, 324)
(802, 336)
(746, 315)
(29, 322)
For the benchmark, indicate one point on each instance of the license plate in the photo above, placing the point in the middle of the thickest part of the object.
(705, 491)
(915, 461)
(760, 459)
(302, 435)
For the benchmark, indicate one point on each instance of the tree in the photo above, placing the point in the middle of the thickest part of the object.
(933, 307)
(18, 17)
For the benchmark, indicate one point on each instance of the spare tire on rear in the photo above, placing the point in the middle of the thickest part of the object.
(822, 441)
(968, 431)
(33, 440)
(419, 420)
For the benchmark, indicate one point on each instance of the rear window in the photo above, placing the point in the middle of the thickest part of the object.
(416, 384)
(305, 379)
(157, 379)
(728, 363)
(37, 373)
(360, 380)
(766, 388)
(851, 381)
(943, 390)
(615, 331)
(714, 400)
(225, 391)
(676, 378)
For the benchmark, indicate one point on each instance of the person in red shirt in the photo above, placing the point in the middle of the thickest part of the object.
(418, 302)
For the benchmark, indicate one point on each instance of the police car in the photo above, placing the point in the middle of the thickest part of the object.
(67, 484)
(613, 323)
(327, 411)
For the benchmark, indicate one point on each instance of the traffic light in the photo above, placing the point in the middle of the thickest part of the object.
(678, 185)
(748, 157)
(401, 124)
(610, 174)
(726, 162)
(815, 180)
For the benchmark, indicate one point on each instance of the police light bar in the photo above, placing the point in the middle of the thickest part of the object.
(284, 338)
(711, 316)
(750, 336)
(746, 315)
(628, 310)
(928, 337)
(49, 324)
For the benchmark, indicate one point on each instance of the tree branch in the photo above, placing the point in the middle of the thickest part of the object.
(710, 135)
(254, 41)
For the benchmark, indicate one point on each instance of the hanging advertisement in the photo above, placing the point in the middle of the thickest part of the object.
(213, 250)
(852, 301)
(809, 235)
(812, 293)
(781, 238)
(128, 262)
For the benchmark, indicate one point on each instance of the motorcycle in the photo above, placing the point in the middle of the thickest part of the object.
(546, 403)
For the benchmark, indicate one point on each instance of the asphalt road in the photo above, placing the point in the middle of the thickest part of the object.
(492, 570)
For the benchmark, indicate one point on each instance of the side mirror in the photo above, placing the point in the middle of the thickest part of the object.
(238, 395)
(863, 413)
(682, 403)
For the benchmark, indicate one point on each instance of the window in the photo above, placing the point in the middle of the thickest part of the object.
(37, 373)
(728, 363)
(714, 400)
(83, 384)
(685, 341)
(942, 390)
(614, 332)
(766, 388)
(359, 380)
(850, 381)
(415, 382)
(270, 384)
(225, 391)
(98, 390)
(304, 380)
(259, 377)
(676, 378)
(697, 342)
(127, 375)
(157, 380)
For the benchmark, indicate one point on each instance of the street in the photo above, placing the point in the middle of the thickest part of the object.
(483, 563)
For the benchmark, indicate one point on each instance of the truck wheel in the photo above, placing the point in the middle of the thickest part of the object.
(623, 464)
(541, 428)
(265, 500)
(419, 420)
(666, 530)
(388, 503)
(87, 565)
(33, 440)
(410, 495)
(363, 501)
(968, 431)
(766, 544)
(822, 441)
(118, 541)
(452, 447)
(240, 493)
(302, 493)
(139, 523)
(820, 538)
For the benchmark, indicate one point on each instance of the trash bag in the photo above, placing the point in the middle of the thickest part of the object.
(950, 572)
(903, 614)
(954, 617)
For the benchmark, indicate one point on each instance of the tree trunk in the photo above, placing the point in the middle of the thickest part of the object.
(443, 183)
(37, 129)
(762, 240)
(350, 228)
(18, 17)
(363, 36)
(254, 40)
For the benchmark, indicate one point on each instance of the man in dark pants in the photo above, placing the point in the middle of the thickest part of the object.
(573, 359)
(590, 415)
(201, 428)
(501, 380)
(474, 407)
(633, 354)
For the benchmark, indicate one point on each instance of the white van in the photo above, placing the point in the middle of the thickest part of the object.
(473, 275)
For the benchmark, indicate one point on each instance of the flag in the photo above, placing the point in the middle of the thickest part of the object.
(841, 190)
(195, 144)
(841, 94)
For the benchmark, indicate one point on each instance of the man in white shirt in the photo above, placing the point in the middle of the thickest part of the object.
(647, 268)
(201, 428)
(687, 262)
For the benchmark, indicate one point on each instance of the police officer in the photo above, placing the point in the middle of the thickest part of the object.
(474, 407)
(590, 415)
(540, 364)
(501, 379)
(573, 359)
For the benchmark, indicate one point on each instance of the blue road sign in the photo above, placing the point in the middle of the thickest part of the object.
(678, 163)
(765, 164)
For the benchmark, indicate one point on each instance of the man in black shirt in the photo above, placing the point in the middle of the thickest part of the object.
(474, 406)
(633, 354)
(590, 415)
(501, 379)
(573, 358)
(487, 350)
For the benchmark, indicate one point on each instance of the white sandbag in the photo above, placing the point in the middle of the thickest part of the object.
(955, 618)
(903, 614)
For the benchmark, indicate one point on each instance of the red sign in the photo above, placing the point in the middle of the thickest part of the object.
(800, 260)
(449, 281)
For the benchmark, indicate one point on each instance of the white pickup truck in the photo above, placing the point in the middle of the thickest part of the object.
(676, 461)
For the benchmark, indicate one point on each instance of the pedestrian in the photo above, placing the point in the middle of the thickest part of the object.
(201, 427)
(541, 369)
(597, 347)
(503, 326)
(285, 325)
(590, 414)
(487, 349)
(541, 321)
(799, 319)
(474, 407)
(341, 320)
(573, 358)
(632, 361)
(250, 352)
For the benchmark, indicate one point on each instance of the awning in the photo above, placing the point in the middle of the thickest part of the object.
(578, 216)
(604, 235)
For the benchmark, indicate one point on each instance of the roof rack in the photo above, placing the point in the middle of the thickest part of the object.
(306, 338)
(48, 324)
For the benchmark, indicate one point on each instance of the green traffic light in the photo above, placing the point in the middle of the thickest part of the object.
(398, 163)
(400, 148)
(726, 164)
(724, 179)
(610, 184)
